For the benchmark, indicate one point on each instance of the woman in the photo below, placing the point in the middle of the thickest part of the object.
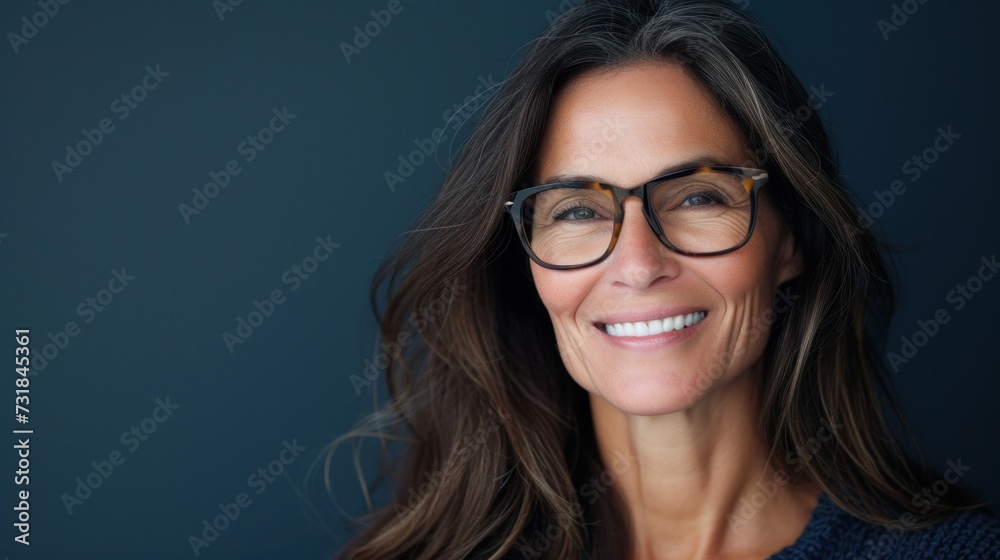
(690, 372)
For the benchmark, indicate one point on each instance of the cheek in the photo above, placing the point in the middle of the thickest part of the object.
(560, 291)
(745, 282)
(563, 293)
(561, 297)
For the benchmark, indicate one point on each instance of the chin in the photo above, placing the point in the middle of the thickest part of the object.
(654, 397)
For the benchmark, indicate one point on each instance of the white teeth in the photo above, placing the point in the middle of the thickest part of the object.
(657, 326)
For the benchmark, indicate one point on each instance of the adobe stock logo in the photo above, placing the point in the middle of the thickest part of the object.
(453, 119)
(132, 438)
(121, 106)
(249, 148)
(886, 543)
(260, 480)
(293, 276)
(539, 542)
(364, 34)
(223, 7)
(927, 329)
(898, 17)
(429, 313)
(468, 447)
(87, 310)
(914, 168)
(39, 19)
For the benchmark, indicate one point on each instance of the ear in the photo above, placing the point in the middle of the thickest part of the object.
(789, 258)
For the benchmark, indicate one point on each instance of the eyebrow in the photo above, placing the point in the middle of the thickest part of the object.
(701, 161)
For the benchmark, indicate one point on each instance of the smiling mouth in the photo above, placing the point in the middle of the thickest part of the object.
(658, 326)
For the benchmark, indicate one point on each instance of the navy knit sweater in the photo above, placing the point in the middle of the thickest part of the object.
(833, 534)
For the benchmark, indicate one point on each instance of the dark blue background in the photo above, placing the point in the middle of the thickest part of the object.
(323, 176)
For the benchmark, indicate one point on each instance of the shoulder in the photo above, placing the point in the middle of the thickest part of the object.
(832, 534)
(965, 534)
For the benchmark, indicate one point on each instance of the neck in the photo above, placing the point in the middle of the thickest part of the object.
(697, 483)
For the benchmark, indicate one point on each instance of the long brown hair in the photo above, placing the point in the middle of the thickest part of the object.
(498, 437)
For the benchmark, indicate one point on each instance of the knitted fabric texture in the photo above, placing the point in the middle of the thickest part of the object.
(833, 534)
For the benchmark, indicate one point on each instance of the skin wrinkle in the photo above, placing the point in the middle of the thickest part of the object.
(691, 428)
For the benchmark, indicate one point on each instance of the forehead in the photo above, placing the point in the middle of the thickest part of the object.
(624, 124)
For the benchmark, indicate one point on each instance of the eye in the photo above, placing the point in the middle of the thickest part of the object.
(576, 213)
(702, 199)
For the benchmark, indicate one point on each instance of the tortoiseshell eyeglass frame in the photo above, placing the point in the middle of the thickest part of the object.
(751, 178)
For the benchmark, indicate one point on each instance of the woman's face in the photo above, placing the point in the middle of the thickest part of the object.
(624, 126)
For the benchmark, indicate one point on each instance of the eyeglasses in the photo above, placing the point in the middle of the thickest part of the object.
(700, 211)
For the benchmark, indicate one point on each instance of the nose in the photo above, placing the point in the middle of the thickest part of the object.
(639, 258)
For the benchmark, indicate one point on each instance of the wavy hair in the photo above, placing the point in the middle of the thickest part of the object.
(498, 437)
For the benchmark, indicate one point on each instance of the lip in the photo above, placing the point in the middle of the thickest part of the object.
(653, 341)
